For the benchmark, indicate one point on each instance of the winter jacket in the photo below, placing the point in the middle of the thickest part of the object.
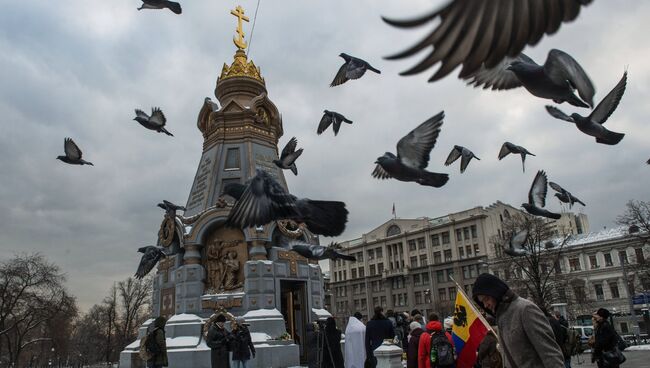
(242, 344)
(424, 345)
(526, 336)
(378, 329)
(605, 339)
(160, 357)
(332, 354)
(219, 340)
(488, 354)
(561, 335)
(412, 349)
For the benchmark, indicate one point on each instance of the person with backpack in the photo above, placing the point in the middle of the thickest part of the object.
(435, 347)
(155, 344)
(242, 344)
(219, 340)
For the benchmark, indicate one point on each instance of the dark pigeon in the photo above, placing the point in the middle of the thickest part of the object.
(516, 244)
(413, 156)
(263, 200)
(289, 156)
(556, 80)
(564, 195)
(648, 162)
(155, 122)
(150, 257)
(161, 4)
(460, 151)
(331, 118)
(169, 207)
(214, 107)
(473, 33)
(508, 148)
(537, 198)
(72, 154)
(593, 124)
(353, 68)
(319, 252)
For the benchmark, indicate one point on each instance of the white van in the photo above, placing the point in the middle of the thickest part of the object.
(585, 332)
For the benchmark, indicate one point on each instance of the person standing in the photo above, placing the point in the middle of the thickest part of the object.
(378, 329)
(605, 338)
(159, 358)
(332, 355)
(355, 338)
(219, 340)
(413, 344)
(488, 355)
(242, 343)
(526, 337)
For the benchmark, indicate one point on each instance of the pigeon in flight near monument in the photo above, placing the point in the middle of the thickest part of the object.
(263, 200)
(473, 33)
(171, 208)
(460, 151)
(516, 244)
(508, 148)
(319, 252)
(353, 68)
(413, 156)
(648, 162)
(289, 156)
(72, 154)
(564, 195)
(537, 197)
(214, 107)
(155, 122)
(557, 79)
(150, 257)
(161, 4)
(593, 124)
(331, 118)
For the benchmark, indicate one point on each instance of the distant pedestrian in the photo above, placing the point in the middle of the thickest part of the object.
(605, 339)
(242, 345)
(332, 355)
(355, 339)
(413, 344)
(159, 346)
(420, 319)
(219, 340)
(378, 329)
(526, 337)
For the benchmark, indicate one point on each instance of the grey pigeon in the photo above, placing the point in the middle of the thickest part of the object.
(516, 244)
(413, 156)
(593, 124)
(171, 208)
(263, 200)
(648, 162)
(564, 195)
(150, 257)
(161, 4)
(508, 148)
(155, 122)
(353, 68)
(479, 32)
(214, 107)
(289, 156)
(537, 197)
(557, 79)
(331, 118)
(319, 252)
(72, 154)
(460, 151)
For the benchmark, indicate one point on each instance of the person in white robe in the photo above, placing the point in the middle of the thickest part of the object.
(355, 342)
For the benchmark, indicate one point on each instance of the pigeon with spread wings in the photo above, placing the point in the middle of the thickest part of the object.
(161, 4)
(463, 153)
(516, 244)
(319, 252)
(289, 156)
(72, 154)
(155, 122)
(331, 118)
(353, 68)
(508, 148)
(537, 197)
(150, 257)
(564, 195)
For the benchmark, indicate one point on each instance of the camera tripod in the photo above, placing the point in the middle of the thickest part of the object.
(321, 343)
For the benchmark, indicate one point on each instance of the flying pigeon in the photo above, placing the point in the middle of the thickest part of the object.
(564, 195)
(169, 207)
(413, 156)
(263, 200)
(473, 33)
(460, 151)
(557, 79)
(319, 252)
(353, 68)
(150, 257)
(516, 244)
(161, 4)
(214, 107)
(593, 124)
(648, 162)
(72, 154)
(331, 118)
(155, 122)
(508, 148)
(289, 156)
(537, 197)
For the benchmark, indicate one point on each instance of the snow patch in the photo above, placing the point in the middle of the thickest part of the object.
(263, 313)
(185, 317)
(637, 347)
(260, 336)
(182, 342)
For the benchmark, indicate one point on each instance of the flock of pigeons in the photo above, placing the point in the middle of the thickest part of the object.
(486, 38)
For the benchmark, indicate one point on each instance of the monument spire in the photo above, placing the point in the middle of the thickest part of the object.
(239, 40)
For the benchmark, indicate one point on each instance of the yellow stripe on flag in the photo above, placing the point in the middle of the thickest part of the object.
(464, 316)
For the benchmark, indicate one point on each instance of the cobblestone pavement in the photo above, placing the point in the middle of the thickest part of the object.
(635, 359)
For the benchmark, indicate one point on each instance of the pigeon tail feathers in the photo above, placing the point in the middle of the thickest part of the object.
(433, 179)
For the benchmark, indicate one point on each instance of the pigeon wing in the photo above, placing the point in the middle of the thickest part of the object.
(356, 69)
(504, 151)
(325, 122)
(537, 193)
(148, 261)
(289, 148)
(607, 106)
(556, 187)
(380, 173)
(558, 114)
(519, 238)
(157, 117)
(341, 76)
(289, 159)
(71, 149)
(141, 114)
(498, 77)
(475, 32)
(453, 155)
(561, 67)
(464, 161)
(414, 148)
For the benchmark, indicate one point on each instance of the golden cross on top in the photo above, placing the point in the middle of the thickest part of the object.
(239, 41)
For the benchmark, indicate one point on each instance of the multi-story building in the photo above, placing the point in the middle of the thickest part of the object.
(412, 263)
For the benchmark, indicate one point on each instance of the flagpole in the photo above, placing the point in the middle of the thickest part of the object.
(474, 308)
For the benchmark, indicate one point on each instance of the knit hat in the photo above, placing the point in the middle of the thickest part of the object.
(414, 325)
(603, 313)
(490, 285)
(449, 323)
(221, 318)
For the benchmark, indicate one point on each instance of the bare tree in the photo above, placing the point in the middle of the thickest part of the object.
(636, 219)
(135, 297)
(110, 310)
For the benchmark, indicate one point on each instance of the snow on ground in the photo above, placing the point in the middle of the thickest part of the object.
(637, 347)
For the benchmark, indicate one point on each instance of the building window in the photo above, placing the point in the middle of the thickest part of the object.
(474, 233)
(383, 301)
(459, 237)
(414, 261)
(613, 287)
(561, 293)
(468, 251)
(442, 294)
(450, 274)
(465, 272)
(362, 272)
(574, 264)
(354, 273)
(461, 253)
(639, 255)
(232, 159)
(360, 257)
(418, 297)
(393, 230)
(624, 328)
(379, 253)
(599, 292)
(421, 243)
(440, 275)
(593, 261)
(423, 259)
(373, 270)
(445, 237)
(437, 258)
(375, 302)
(622, 255)
(412, 245)
(371, 254)
(425, 278)
(579, 292)
(452, 293)
(466, 233)
(435, 240)
(345, 274)
(608, 260)
(447, 255)
(380, 268)
(477, 250)
(416, 279)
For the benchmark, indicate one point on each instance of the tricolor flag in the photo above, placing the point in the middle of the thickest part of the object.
(468, 330)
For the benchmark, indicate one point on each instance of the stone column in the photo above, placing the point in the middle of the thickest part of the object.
(258, 251)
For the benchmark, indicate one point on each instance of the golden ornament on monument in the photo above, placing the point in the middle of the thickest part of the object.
(166, 232)
(291, 228)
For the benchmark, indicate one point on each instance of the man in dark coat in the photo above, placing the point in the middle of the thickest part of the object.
(413, 343)
(332, 354)
(378, 329)
(526, 337)
(605, 338)
(159, 358)
(241, 345)
(219, 341)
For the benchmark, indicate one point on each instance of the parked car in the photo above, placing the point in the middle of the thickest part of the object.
(585, 333)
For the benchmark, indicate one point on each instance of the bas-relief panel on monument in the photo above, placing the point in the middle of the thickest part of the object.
(224, 256)
(168, 302)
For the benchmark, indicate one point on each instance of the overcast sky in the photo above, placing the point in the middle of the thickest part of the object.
(78, 68)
